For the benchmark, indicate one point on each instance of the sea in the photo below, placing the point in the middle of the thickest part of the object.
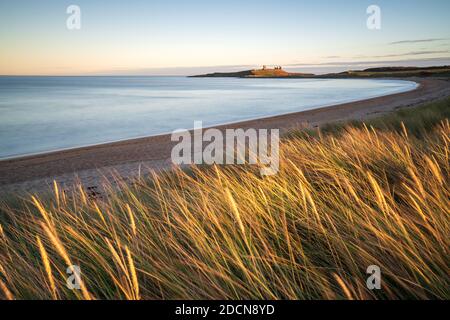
(42, 114)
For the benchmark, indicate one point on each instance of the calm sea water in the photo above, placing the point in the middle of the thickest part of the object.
(39, 114)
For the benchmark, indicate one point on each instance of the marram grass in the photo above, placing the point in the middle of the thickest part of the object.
(338, 205)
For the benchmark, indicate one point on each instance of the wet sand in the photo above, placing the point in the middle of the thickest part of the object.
(130, 158)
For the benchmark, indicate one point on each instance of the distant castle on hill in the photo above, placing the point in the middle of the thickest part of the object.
(276, 67)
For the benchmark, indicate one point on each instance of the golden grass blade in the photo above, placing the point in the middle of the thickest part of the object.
(6, 292)
(48, 268)
(62, 252)
(133, 274)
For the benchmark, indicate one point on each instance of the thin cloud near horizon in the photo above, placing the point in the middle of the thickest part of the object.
(418, 41)
(405, 54)
(327, 67)
(372, 62)
(412, 53)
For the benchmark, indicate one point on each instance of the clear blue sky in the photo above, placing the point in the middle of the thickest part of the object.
(183, 37)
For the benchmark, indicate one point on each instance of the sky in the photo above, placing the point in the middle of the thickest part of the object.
(174, 37)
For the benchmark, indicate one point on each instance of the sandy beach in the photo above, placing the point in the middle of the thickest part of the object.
(130, 158)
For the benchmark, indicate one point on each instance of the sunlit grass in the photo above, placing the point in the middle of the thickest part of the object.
(338, 205)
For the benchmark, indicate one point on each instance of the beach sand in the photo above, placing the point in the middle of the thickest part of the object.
(127, 159)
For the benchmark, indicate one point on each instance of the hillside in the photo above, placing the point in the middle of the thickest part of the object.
(381, 72)
(255, 73)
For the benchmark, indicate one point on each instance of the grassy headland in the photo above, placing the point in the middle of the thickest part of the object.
(345, 198)
(386, 72)
(255, 73)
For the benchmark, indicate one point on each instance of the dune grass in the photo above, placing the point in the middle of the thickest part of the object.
(418, 120)
(342, 201)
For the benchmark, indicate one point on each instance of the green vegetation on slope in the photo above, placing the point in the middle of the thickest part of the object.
(418, 120)
(396, 72)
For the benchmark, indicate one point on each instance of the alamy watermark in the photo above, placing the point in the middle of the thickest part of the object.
(73, 281)
(374, 280)
(239, 146)
(374, 19)
(73, 21)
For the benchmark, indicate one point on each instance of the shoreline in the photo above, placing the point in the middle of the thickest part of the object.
(39, 153)
(126, 158)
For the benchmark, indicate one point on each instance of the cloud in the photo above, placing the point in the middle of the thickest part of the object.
(376, 62)
(332, 67)
(323, 67)
(398, 55)
(412, 53)
(173, 71)
(417, 41)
